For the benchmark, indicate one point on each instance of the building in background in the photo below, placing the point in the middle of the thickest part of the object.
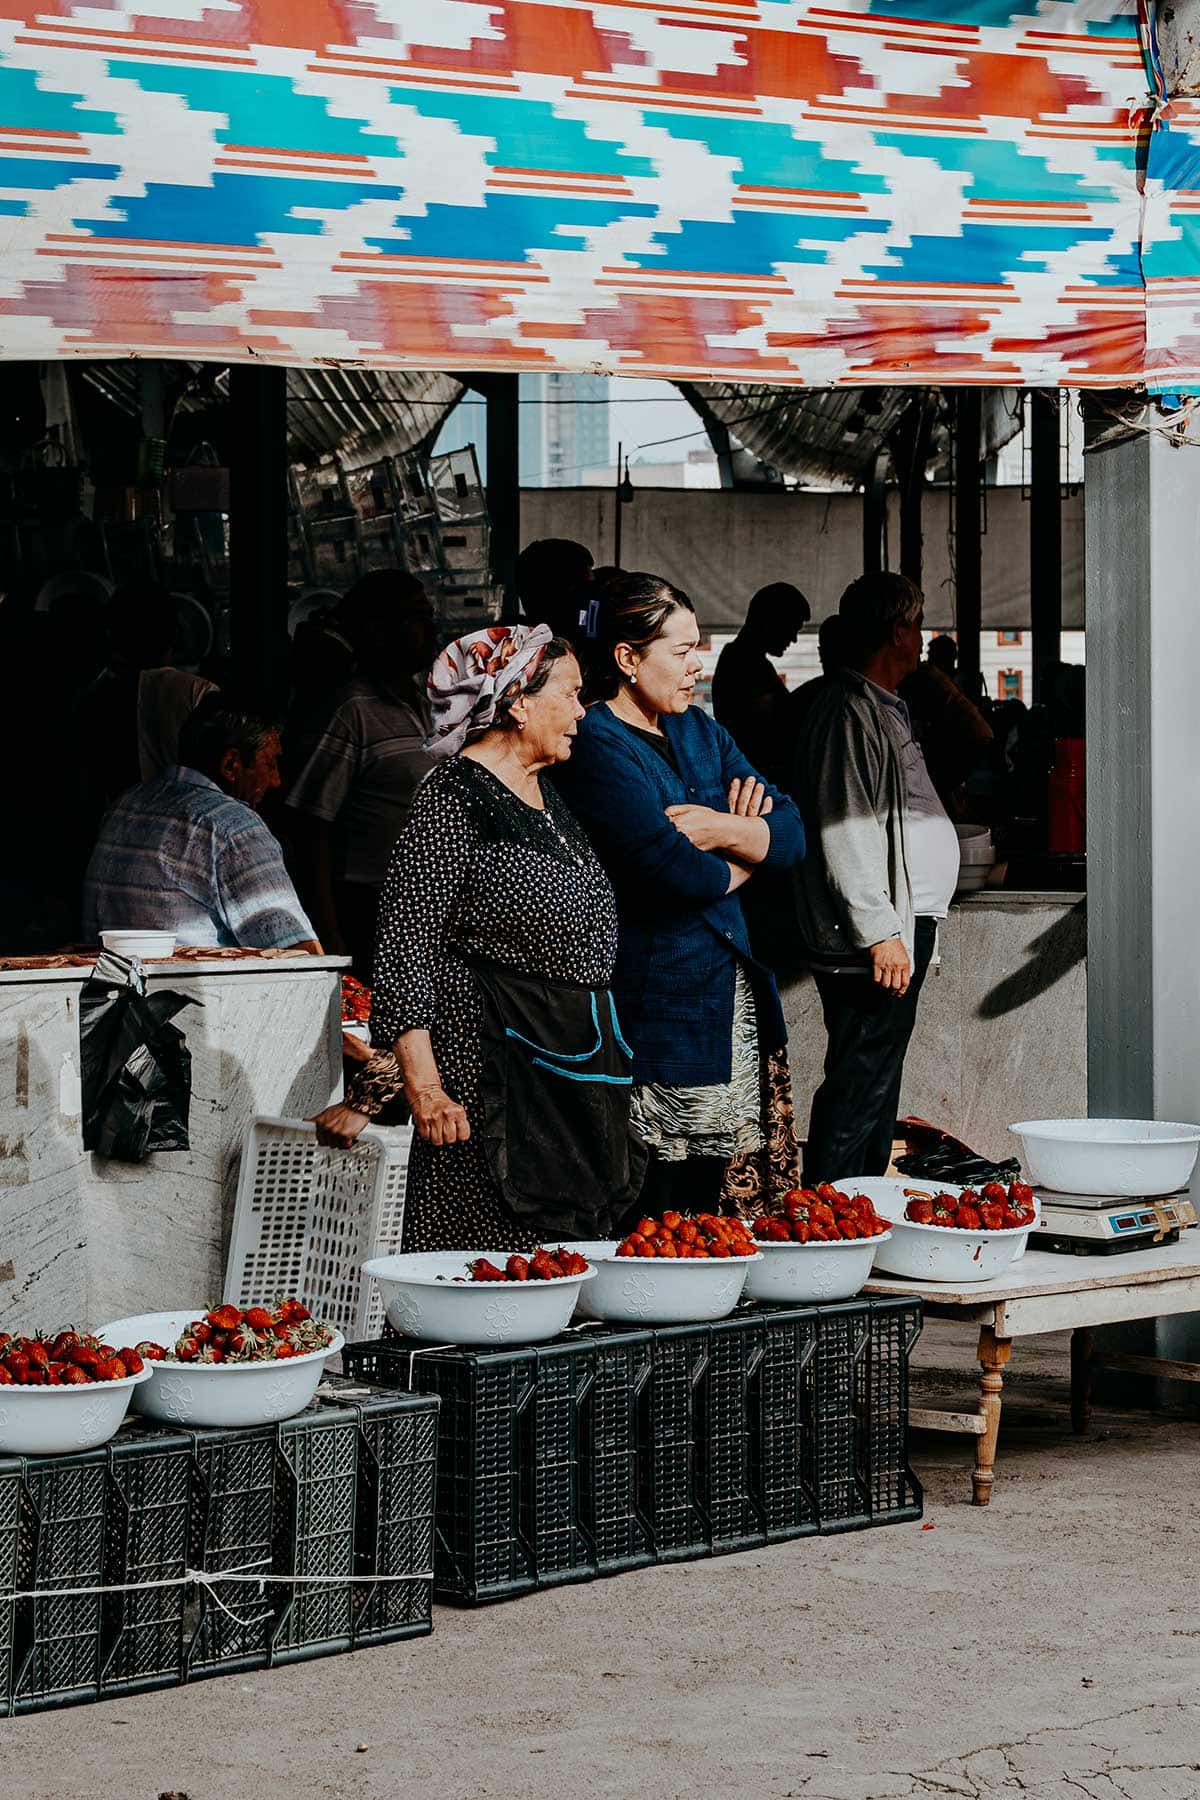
(564, 428)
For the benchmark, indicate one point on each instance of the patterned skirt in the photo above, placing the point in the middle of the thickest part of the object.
(748, 1120)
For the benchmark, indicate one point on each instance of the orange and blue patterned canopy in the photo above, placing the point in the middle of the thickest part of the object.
(964, 191)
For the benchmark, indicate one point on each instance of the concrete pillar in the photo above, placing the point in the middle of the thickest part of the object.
(1142, 515)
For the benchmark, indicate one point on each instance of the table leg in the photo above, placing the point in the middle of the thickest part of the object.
(994, 1353)
(1081, 1379)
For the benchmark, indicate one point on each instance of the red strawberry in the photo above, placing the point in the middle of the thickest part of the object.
(74, 1376)
(38, 1354)
(17, 1364)
(150, 1352)
(187, 1349)
(224, 1318)
(133, 1362)
(517, 1268)
(483, 1270)
(6, 1376)
(258, 1319)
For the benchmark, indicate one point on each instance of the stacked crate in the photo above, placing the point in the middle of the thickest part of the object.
(95, 1549)
(611, 1448)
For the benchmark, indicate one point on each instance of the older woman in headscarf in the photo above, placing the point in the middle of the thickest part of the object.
(497, 935)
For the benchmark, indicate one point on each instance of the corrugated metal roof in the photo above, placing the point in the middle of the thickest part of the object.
(364, 414)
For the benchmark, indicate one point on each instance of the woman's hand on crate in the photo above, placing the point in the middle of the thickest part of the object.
(338, 1125)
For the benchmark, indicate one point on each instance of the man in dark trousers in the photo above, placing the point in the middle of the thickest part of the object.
(881, 869)
(749, 697)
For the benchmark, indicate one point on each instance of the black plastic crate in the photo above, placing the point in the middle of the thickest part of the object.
(782, 1439)
(342, 1493)
(56, 1639)
(231, 1624)
(610, 1507)
(10, 1545)
(731, 1507)
(146, 1536)
(670, 1422)
(394, 1513)
(895, 1492)
(314, 1517)
(508, 1484)
(840, 1431)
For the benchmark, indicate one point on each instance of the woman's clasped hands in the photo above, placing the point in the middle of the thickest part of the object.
(709, 829)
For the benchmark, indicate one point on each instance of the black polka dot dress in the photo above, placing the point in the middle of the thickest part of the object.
(477, 871)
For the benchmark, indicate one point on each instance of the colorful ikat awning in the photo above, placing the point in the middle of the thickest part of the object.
(705, 189)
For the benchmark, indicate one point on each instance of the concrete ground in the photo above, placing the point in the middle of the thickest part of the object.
(1047, 1648)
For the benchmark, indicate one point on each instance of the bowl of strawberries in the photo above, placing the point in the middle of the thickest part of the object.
(820, 1246)
(63, 1392)
(676, 1270)
(229, 1365)
(951, 1233)
(482, 1297)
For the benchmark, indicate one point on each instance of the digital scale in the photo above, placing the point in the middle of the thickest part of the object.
(1098, 1225)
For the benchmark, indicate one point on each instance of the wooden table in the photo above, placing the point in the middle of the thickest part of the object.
(1047, 1292)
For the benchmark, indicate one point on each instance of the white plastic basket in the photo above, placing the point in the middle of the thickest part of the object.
(307, 1218)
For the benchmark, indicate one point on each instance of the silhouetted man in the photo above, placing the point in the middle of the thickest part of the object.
(553, 577)
(750, 698)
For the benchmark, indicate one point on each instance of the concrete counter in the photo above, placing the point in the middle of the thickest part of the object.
(92, 1239)
(1002, 1025)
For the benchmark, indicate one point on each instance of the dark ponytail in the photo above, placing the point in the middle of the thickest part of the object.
(630, 608)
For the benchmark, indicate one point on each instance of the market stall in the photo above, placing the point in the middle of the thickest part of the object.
(91, 1237)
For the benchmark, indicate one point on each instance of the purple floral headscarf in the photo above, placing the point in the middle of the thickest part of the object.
(473, 674)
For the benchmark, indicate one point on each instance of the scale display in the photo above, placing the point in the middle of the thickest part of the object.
(1085, 1224)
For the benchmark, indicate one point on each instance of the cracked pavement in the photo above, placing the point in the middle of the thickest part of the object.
(1046, 1648)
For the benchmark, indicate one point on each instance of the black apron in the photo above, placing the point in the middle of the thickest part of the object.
(554, 1103)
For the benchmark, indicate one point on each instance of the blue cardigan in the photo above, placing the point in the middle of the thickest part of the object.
(681, 932)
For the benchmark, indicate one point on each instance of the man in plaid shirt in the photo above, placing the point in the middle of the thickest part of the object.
(188, 853)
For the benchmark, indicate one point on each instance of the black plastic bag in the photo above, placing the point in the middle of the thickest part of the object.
(136, 1067)
(934, 1155)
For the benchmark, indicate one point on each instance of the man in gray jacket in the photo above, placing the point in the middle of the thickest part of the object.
(881, 868)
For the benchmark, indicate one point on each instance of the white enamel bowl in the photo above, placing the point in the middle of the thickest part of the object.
(146, 944)
(218, 1393)
(50, 1421)
(1119, 1158)
(660, 1290)
(933, 1252)
(424, 1300)
(800, 1273)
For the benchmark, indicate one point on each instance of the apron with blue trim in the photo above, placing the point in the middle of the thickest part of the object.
(554, 1103)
